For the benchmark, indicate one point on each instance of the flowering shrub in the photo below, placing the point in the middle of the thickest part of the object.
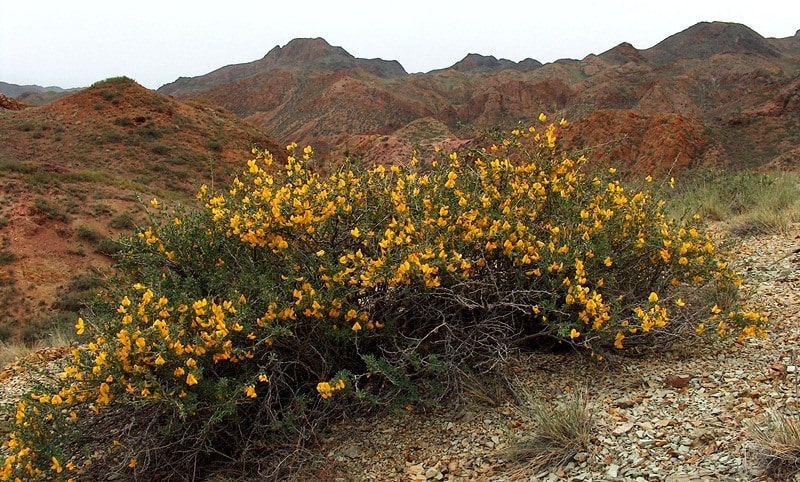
(291, 290)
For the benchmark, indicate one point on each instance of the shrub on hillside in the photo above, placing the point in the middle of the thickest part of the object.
(245, 320)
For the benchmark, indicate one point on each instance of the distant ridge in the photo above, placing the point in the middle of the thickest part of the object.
(299, 53)
(14, 90)
(489, 63)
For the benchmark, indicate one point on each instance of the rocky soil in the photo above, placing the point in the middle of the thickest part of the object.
(680, 415)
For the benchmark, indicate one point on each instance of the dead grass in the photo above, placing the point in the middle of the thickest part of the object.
(16, 350)
(776, 444)
(560, 430)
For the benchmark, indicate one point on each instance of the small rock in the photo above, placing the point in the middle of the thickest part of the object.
(353, 451)
(677, 381)
(613, 471)
(622, 429)
(432, 473)
(581, 457)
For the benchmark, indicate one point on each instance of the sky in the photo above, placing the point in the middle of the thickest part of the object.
(76, 43)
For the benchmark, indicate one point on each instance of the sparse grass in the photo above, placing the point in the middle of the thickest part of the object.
(122, 221)
(776, 444)
(14, 350)
(46, 331)
(560, 430)
(123, 121)
(750, 202)
(108, 247)
(50, 210)
(214, 145)
(101, 209)
(160, 149)
(88, 234)
(6, 256)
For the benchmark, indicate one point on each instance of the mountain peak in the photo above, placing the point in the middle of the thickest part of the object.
(706, 39)
(300, 52)
(622, 54)
(489, 63)
(304, 50)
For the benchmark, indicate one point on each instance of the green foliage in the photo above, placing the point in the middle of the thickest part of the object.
(245, 322)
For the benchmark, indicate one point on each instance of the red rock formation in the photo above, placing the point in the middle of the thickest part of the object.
(11, 104)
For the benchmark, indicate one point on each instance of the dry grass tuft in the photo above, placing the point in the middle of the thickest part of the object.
(776, 444)
(560, 431)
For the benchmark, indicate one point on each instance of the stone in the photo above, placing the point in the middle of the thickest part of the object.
(622, 429)
(678, 381)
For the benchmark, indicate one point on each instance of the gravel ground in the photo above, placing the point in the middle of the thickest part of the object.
(675, 416)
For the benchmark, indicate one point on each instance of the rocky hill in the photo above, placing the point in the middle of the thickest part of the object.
(715, 94)
(78, 171)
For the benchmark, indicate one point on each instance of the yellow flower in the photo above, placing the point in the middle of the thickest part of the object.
(191, 380)
(324, 389)
(56, 467)
(250, 391)
(263, 378)
(154, 203)
(79, 326)
(132, 463)
(542, 117)
(716, 310)
(574, 333)
(355, 232)
(653, 298)
(618, 340)
(356, 326)
(680, 302)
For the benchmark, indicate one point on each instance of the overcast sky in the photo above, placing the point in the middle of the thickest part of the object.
(75, 43)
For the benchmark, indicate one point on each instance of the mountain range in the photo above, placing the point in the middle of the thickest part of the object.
(715, 94)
